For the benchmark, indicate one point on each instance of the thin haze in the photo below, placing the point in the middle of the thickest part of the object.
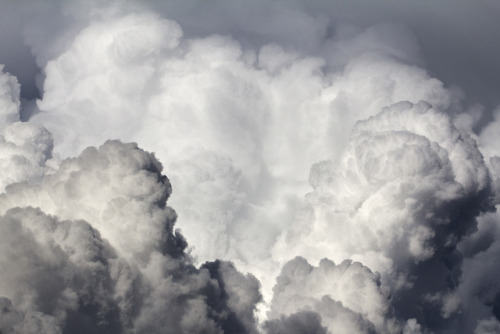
(249, 167)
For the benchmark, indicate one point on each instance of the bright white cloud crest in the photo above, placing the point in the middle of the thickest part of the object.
(320, 155)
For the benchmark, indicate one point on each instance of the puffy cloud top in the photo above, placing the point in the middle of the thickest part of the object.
(110, 262)
(406, 190)
(347, 296)
(25, 148)
(247, 105)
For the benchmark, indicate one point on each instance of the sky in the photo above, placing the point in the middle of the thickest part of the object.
(249, 167)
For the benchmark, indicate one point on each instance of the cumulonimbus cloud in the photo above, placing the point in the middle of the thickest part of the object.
(317, 152)
(117, 266)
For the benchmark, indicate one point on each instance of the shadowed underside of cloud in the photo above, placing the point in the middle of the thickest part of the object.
(326, 180)
(88, 246)
(406, 191)
(118, 266)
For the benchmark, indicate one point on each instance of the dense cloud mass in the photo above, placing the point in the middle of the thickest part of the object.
(110, 262)
(334, 167)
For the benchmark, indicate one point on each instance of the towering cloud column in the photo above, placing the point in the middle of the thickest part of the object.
(238, 100)
(88, 246)
(407, 189)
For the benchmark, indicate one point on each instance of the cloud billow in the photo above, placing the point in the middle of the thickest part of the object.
(117, 266)
(329, 173)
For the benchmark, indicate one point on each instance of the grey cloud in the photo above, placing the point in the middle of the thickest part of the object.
(297, 323)
(14, 321)
(58, 270)
(407, 189)
(9, 97)
(348, 297)
(248, 105)
(25, 148)
(487, 326)
(136, 278)
(224, 119)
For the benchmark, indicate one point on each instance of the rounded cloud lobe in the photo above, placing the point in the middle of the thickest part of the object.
(114, 264)
(405, 192)
(230, 115)
(347, 297)
(397, 235)
(25, 148)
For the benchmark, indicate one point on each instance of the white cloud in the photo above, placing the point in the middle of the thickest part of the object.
(111, 261)
(238, 101)
(348, 296)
